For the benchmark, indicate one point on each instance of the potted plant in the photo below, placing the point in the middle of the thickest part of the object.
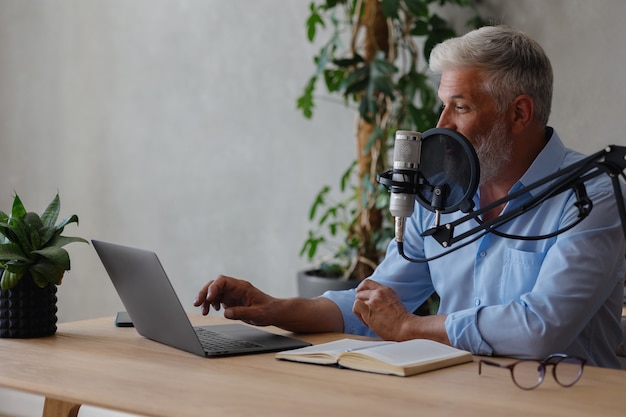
(382, 73)
(32, 262)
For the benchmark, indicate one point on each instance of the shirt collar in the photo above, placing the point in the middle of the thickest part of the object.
(546, 163)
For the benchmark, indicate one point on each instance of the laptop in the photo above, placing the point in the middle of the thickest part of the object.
(157, 314)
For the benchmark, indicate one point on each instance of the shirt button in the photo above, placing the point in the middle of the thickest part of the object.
(483, 254)
(476, 302)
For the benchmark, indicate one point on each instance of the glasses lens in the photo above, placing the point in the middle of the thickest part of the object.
(528, 374)
(568, 371)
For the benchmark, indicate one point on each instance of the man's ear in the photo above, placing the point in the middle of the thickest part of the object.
(522, 111)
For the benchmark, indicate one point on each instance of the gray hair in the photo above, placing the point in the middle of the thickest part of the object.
(514, 64)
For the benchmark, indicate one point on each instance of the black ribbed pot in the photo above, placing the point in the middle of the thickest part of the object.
(27, 311)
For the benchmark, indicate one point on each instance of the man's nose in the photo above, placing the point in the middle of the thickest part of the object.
(445, 120)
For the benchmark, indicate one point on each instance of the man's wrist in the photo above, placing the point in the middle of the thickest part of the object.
(424, 327)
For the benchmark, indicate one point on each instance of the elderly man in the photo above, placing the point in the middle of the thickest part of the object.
(499, 296)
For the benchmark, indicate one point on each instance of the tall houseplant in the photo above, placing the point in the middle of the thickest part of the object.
(375, 59)
(33, 262)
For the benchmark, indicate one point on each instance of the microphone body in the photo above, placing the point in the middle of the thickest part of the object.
(406, 160)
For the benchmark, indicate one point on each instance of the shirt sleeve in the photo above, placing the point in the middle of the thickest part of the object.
(411, 281)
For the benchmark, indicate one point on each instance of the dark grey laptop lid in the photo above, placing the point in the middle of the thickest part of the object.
(150, 300)
(156, 311)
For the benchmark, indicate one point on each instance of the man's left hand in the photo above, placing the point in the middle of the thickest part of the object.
(380, 308)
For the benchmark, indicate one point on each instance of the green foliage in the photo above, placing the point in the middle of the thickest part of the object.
(32, 245)
(390, 90)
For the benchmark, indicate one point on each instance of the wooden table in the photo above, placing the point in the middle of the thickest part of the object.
(93, 362)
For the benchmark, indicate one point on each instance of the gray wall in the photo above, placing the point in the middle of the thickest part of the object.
(172, 125)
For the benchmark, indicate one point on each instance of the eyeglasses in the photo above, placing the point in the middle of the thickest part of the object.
(529, 374)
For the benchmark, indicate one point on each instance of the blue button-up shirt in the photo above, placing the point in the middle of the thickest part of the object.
(520, 298)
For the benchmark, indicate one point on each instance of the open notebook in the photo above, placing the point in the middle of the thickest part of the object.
(385, 357)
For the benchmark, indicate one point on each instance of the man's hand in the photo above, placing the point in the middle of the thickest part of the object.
(380, 308)
(240, 299)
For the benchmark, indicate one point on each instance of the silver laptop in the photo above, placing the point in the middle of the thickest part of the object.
(156, 311)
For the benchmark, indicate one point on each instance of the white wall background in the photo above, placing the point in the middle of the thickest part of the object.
(169, 125)
(172, 125)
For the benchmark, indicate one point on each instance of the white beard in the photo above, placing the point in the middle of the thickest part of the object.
(494, 152)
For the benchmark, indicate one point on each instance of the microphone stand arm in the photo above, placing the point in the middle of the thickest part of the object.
(610, 161)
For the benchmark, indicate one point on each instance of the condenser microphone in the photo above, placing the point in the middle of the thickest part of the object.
(406, 159)
(439, 168)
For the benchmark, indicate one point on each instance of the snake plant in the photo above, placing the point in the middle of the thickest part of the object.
(31, 245)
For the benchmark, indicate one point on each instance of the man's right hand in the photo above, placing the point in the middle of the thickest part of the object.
(240, 299)
(243, 301)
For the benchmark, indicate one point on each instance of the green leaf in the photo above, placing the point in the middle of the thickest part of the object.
(319, 201)
(59, 241)
(39, 278)
(17, 211)
(51, 213)
(33, 224)
(390, 8)
(382, 200)
(8, 233)
(333, 79)
(56, 255)
(349, 62)
(21, 234)
(381, 67)
(437, 22)
(385, 86)
(332, 269)
(326, 54)
(330, 212)
(35, 239)
(312, 22)
(46, 233)
(357, 80)
(418, 8)
(33, 221)
(345, 178)
(311, 245)
(45, 273)
(9, 280)
(17, 266)
(71, 219)
(305, 101)
(332, 3)
(359, 86)
(420, 28)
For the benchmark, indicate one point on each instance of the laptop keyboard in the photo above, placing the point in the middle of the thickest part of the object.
(212, 341)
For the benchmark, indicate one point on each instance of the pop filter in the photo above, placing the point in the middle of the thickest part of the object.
(450, 172)
(438, 168)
